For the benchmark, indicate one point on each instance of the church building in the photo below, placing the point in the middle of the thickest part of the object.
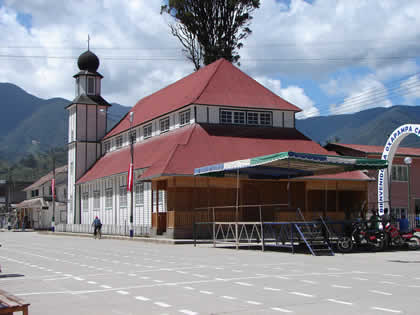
(215, 115)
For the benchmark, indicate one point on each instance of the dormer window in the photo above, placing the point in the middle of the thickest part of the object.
(259, 118)
(265, 119)
(252, 118)
(239, 118)
(132, 136)
(119, 142)
(184, 117)
(147, 131)
(90, 85)
(225, 116)
(164, 124)
(232, 117)
(107, 146)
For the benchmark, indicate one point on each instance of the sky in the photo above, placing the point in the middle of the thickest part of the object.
(327, 57)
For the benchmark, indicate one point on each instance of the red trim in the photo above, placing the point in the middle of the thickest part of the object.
(53, 188)
(130, 177)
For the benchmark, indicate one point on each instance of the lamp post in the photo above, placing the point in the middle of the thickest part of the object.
(131, 174)
(53, 195)
(8, 208)
(408, 160)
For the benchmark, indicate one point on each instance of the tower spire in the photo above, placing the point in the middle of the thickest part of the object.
(88, 41)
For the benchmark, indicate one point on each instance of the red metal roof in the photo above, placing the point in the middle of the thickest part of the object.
(219, 83)
(377, 149)
(46, 178)
(180, 151)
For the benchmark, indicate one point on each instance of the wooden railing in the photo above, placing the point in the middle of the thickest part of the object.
(187, 218)
(184, 218)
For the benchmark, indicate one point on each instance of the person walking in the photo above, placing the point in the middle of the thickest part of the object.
(97, 225)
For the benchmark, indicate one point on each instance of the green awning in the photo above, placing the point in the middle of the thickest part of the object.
(292, 164)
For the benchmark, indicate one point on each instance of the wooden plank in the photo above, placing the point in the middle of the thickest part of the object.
(170, 223)
(10, 303)
(8, 299)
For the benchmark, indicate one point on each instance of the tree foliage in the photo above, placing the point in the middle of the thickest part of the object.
(33, 166)
(209, 30)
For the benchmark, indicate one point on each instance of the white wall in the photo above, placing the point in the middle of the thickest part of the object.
(201, 112)
(70, 182)
(142, 213)
(278, 118)
(289, 119)
(117, 215)
(213, 114)
(72, 123)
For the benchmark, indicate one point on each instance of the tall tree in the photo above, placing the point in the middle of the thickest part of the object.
(211, 29)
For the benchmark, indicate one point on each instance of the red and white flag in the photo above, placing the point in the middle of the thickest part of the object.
(53, 188)
(130, 178)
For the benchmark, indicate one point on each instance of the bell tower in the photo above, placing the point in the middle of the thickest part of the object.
(87, 126)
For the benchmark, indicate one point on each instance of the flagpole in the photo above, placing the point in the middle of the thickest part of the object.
(53, 195)
(131, 169)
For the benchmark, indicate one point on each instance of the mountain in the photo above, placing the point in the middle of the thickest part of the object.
(372, 126)
(29, 124)
(15, 106)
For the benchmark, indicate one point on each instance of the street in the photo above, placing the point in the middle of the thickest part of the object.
(78, 275)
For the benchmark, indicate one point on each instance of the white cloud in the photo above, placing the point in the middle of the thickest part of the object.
(292, 94)
(366, 92)
(328, 33)
(397, 70)
(119, 31)
(411, 89)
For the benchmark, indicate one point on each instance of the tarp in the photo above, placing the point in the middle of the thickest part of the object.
(292, 164)
(32, 203)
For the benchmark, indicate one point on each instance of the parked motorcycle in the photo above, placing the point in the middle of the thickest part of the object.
(362, 236)
(373, 238)
(395, 238)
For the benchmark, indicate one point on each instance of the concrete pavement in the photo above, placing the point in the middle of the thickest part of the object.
(73, 275)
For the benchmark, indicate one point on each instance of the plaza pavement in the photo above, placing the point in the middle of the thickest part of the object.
(73, 275)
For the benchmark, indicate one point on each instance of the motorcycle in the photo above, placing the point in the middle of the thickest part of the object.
(395, 238)
(373, 238)
(361, 236)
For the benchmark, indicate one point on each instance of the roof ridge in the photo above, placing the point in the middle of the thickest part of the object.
(168, 160)
(209, 80)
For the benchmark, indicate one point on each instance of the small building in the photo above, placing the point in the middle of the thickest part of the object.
(11, 193)
(37, 210)
(402, 176)
(217, 114)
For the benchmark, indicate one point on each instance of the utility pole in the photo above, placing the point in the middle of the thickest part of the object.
(8, 180)
(131, 179)
(53, 194)
(408, 160)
